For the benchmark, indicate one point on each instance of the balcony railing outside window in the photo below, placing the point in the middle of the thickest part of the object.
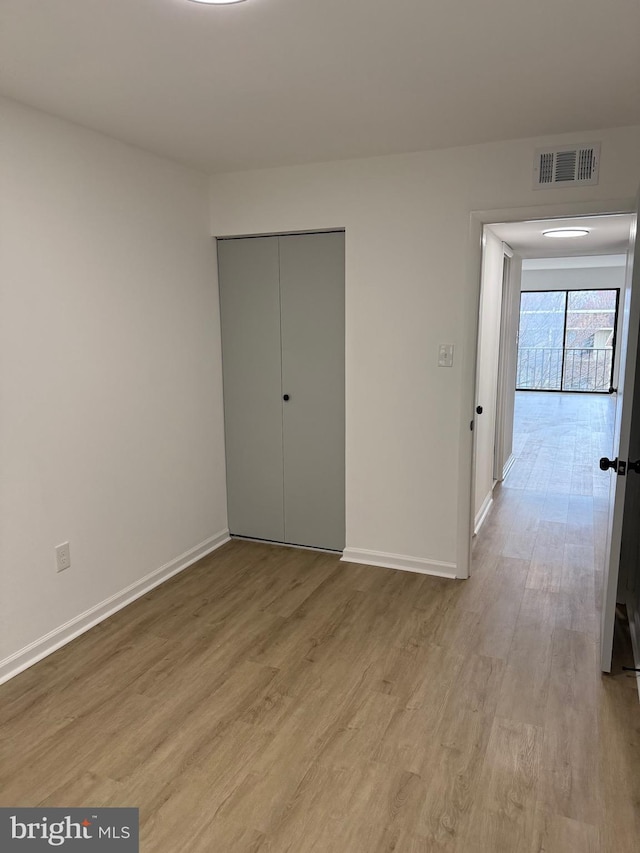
(566, 340)
(585, 369)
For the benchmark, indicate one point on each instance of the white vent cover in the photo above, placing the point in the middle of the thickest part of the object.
(571, 165)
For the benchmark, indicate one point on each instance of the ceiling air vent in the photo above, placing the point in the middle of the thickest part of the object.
(571, 165)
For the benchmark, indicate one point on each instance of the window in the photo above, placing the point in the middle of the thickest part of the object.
(566, 340)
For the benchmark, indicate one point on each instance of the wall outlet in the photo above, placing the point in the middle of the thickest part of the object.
(445, 355)
(63, 557)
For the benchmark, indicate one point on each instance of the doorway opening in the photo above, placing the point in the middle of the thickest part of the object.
(547, 373)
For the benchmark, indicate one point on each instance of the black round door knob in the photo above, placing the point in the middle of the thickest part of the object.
(605, 464)
(286, 397)
(479, 410)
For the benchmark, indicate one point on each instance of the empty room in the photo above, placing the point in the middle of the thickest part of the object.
(319, 457)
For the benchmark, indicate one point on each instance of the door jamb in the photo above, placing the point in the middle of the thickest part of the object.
(501, 464)
(469, 322)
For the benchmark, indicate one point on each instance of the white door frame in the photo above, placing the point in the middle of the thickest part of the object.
(469, 323)
(490, 386)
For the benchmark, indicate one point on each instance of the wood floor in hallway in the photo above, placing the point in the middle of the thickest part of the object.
(270, 699)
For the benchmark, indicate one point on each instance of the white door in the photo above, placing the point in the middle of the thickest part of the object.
(507, 363)
(487, 375)
(619, 535)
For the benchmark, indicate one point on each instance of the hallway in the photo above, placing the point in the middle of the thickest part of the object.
(554, 502)
(545, 536)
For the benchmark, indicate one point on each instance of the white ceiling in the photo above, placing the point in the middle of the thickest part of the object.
(607, 235)
(270, 82)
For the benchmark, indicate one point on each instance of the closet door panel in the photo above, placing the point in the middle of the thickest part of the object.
(251, 363)
(313, 375)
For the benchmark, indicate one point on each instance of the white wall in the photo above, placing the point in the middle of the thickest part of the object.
(412, 279)
(586, 278)
(487, 372)
(110, 380)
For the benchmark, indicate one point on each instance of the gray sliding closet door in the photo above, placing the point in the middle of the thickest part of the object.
(251, 363)
(313, 370)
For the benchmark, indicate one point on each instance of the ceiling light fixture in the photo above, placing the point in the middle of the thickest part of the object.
(562, 233)
(218, 2)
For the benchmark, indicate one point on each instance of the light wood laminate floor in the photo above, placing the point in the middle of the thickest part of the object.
(270, 699)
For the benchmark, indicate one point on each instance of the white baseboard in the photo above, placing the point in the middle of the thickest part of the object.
(51, 642)
(399, 561)
(483, 512)
(508, 465)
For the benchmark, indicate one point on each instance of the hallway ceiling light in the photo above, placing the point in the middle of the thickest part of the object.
(566, 232)
(218, 2)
